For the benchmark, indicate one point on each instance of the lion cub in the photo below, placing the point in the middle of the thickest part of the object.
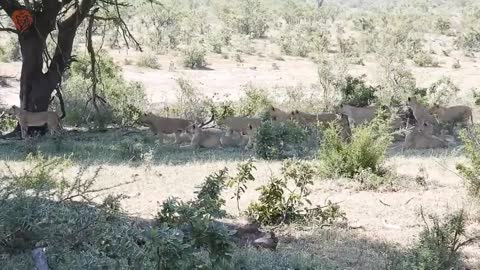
(34, 119)
(165, 125)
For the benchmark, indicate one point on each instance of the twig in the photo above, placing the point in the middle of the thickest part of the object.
(408, 201)
(386, 204)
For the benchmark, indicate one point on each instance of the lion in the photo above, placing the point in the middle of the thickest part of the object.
(182, 137)
(28, 119)
(421, 137)
(453, 115)
(240, 124)
(165, 125)
(306, 118)
(420, 112)
(345, 130)
(278, 115)
(204, 138)
(357, 115)
(234, 139)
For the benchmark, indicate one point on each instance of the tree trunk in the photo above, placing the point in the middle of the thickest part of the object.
(36, 86)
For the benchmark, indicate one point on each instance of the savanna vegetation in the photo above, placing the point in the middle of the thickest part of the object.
(318, 185)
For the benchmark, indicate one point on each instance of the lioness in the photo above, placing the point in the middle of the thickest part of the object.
(240, 124)
(278, 115)
(306, 118)
(34, 119)
(206, 138)
(420, 112)
(234, 139)
(453, 115)
(421, 138)
(358, 116)
(182, 137)
(164, 125)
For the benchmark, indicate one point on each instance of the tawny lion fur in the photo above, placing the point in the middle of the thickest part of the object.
(34, 119)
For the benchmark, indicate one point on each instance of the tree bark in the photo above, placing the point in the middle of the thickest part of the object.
(36, 87)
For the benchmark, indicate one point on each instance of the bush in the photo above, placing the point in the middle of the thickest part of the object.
(249, 17)
(443, 25)
(438, 246)
(423, 59)
(124, 101)
(254, 101)
(279, 140)
(11, 52)
(357, 93)
(278, 204)
(471, 172)
(469, 41)
(41, 206)
(148, 60)
(304, 39)
(194, 218)
(191, 104)
(363, 154)
(441, 91)
(194, 57)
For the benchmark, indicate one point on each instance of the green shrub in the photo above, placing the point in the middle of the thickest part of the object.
(11, 52)
(357, 93)
(148, 60)
(423, 59)
(41, 205)
(254, 101)
(7, 124)
(443, 25)
(304, 39)
(191, 104)
(438, 245)
(278, 204)
(471, 172)
(249, 17)
(124, 101)
(240, 180)
(469, 41)
(279, 140)
(365, 152)
(194, 57)
(441, 91)
(199, 232)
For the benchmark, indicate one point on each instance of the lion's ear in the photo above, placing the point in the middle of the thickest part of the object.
(292, 113)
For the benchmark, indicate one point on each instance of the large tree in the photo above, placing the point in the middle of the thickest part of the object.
(34, 21)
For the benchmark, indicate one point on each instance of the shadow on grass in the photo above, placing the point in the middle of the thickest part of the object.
(80, 234)
(115, 146)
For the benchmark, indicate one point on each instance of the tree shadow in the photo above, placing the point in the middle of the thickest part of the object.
(115, 146)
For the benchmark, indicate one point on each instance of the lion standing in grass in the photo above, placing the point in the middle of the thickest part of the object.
(453, 115)
(164, 125)
(28, 119)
